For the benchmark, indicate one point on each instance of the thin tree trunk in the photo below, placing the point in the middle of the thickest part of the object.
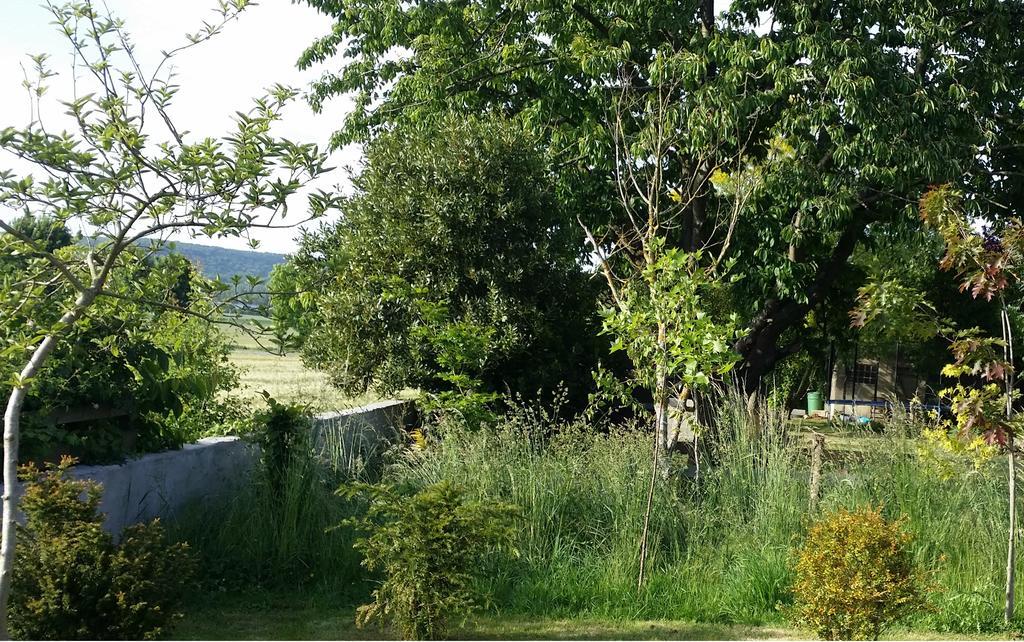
(661, 423)
(659, 459)
(645, 534)
(1011, 549)
(661, 403)
(12, 425)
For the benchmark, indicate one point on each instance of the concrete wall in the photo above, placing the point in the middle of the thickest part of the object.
(355, 440)
(159, 484)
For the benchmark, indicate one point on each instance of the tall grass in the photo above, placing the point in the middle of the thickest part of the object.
(723, 543)
(719, 545)
(260, 536)
(959, 523)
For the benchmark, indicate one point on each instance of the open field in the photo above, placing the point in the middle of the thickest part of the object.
(287, 379)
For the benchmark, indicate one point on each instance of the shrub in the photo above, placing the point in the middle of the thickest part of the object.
(855, 575)
(426, 545)
(282, 432)
(72, 582)
(154, 364)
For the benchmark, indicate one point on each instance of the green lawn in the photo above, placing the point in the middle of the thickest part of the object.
(278, 617)
(288, 617)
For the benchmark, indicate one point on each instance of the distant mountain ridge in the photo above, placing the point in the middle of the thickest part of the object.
(224, 262)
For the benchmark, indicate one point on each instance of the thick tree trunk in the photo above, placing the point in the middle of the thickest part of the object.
(12, 425)
(760, 349)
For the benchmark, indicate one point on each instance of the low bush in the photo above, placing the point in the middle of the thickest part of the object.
(71, 581)
(427, 545)
(855, 575)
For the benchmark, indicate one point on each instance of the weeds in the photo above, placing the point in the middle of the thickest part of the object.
(722, 547)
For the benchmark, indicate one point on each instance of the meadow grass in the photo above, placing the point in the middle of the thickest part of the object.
(279, 538)
(287, 379)
(722, 544)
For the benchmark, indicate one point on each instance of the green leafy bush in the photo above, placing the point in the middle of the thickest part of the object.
(461, 351)
(462, 217)
(427, 546)
(855, 575)
(150, 365)
(71, 581)
(282, 432)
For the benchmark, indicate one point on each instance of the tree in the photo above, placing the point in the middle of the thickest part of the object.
(148, 364)
(289, 304)
(660, 314)
(871, 102)
(451, 270)
(988, 265)
(45, 230)
(132, 177)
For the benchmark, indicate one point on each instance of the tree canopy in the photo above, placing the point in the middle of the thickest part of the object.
(452, 259)
(828, 119)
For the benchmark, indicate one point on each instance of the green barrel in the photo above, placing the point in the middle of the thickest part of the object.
(814, 402)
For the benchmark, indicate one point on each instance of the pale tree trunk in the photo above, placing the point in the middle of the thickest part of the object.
(659, 459)
(644, 535)
(817, 456)
(1011, 549)
(661, 402)
(12, 424)
(661, 429)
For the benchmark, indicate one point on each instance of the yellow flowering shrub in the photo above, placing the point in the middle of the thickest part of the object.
(855, 575)
(949, 455)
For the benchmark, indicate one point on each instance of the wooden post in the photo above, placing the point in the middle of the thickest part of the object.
(817, 454)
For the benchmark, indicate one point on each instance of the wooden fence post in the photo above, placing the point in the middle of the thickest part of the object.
(817, 453)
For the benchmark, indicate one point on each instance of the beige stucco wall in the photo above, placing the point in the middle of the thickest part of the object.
(867, 392)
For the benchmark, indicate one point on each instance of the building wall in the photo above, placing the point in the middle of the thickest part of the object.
(844, 394)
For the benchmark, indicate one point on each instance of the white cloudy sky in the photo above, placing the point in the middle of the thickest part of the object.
(217, 79)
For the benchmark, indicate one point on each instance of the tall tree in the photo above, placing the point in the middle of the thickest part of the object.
(870, 101)
(453, 234)
(131, 176)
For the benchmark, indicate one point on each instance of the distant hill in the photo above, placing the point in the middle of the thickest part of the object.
(223, 262)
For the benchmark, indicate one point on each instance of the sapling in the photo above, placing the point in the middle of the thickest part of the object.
(130, 177)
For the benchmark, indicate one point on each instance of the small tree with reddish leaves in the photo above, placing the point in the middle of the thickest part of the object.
(988, 263)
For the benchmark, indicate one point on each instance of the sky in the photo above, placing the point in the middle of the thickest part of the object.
(217, 79)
